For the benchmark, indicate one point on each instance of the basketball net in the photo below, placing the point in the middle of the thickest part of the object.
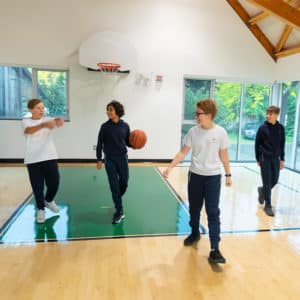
(108, 67)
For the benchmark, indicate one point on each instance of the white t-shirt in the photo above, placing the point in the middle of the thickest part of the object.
(39, 145)
(205, 145)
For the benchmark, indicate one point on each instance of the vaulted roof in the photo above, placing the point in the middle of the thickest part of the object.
(274, 23)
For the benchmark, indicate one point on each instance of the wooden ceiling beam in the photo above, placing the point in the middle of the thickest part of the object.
(264, 14)
(286, 32)
(260, 36)
(281, 10)
(258, 17)
(288, 51)
(294, 3)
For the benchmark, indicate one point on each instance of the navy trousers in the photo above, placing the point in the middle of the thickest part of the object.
(41, 173)
(118, 174)
(269, 169)
(200, 189)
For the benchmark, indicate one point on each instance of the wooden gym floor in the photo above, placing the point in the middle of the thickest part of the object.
(262, 253)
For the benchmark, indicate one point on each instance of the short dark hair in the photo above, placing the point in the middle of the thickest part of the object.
(209, 106)
(33, 102)
(119, 108)
(273, 109)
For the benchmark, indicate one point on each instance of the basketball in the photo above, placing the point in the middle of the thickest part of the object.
(137, 139)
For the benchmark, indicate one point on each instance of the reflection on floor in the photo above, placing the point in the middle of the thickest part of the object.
(10, 196)
(86, 209)
(240, 211)
(152, 208)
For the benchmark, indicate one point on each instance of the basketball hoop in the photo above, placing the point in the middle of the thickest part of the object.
(108, 67)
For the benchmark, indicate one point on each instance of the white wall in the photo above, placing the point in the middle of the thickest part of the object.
(288, 68)
(172, 38)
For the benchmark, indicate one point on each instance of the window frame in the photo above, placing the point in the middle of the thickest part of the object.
(35, 70)
(212, 91)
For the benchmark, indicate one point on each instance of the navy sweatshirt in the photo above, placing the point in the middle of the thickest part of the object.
(113, 139)
(270, 141)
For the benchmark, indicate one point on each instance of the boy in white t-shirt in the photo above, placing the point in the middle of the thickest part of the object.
(209, 144)
(41, 157)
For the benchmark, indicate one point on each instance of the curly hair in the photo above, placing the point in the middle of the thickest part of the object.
(118, 107)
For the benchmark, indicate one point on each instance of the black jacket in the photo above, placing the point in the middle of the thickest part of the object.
(113, 139)
(270, 141)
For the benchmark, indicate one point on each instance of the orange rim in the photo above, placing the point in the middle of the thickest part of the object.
(108, 66)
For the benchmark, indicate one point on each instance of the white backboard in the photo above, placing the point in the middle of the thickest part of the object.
(109, 47)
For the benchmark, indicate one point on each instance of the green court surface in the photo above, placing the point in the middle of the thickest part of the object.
(86, 206)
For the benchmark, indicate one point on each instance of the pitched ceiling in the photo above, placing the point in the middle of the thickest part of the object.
(274, 23)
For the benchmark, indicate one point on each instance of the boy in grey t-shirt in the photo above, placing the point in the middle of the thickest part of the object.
(209, 145)
(41, 157)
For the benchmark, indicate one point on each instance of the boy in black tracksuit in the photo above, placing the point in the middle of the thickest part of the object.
(269, 152)
(113, 140)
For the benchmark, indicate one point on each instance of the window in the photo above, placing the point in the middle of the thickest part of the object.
(255, 100)
(297, 163)
(20, 84)
(241, 109)
(15, 90)
(289, 97)
(228, 95)
(194, 90)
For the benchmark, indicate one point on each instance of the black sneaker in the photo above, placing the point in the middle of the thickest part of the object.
(118, 217)
(269, 211)
(260, 195)
(191, 239)
(215, 257)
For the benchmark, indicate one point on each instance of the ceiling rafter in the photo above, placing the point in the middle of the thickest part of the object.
(258, 17)
(286, 32)
(288, 51)
(264, 14)
(294, 3)
(282, 10)
(260, 36)
(287, 11)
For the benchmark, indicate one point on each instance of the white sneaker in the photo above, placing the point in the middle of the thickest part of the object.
(52, 206)
(40, 216)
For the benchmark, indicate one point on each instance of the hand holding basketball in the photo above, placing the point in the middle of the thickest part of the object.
(137, 139)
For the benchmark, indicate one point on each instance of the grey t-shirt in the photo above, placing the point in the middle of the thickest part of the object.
(205, 145)
(39, 145)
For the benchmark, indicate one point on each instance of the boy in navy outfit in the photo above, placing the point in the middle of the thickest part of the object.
(269, 152)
